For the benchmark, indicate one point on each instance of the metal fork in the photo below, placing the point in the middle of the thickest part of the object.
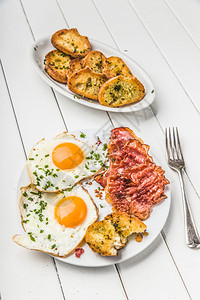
(176, 162)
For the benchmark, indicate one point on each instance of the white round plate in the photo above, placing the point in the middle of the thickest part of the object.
(41, 47)
(154, 223)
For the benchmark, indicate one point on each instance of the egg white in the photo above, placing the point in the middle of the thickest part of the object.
(47, 177)
(43, 232)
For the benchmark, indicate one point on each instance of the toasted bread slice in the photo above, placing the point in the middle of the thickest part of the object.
(86, 83)
(75, 66)
(94, 60)
(57, 65)
(103, 239)
(115, 66)
(125, 225)
(107, 236)
(120, 91)
(71, 42)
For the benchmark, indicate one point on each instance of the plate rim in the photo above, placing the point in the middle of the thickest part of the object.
(124, 109)
(108, 263)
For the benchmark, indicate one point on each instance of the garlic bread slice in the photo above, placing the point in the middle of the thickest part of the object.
(103, 239)
(75, 66)
(125, 225)
(57, 65)
(86, 83)
(94, 60)
(115, 66)
(120, 91)
(71, 42)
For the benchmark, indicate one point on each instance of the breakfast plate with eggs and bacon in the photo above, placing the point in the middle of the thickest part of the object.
(92, 200)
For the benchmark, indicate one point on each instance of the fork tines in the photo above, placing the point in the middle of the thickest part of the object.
(173, 145)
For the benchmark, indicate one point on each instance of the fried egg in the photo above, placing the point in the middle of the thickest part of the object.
(58, 164)
(55, 223)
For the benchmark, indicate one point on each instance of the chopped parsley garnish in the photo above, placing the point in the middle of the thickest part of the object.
(69, 190)
(57, 170)
(30, 198)
(101, 205)
(97, 156)
(76, 176)
(152, 91)
(31, 158)
(49, 236)
(99, 188)
(47, 185)
(38, 194)
(25, 221)
(104, 147)
(53, 246)
(112, 159)
(55, 175)
(86, 167)
(82, 135)
(91, 101)
(46, 155)
(46, 166)
(35, 173)
(41, 231)
(93, 171)
(31, 237)
(76, 97)
(25, 205)
(88, 157)
(25, 194)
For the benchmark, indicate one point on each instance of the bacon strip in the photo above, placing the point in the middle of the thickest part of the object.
(137, 189)
(123, 153)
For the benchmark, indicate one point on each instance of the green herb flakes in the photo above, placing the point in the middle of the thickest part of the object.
(82, 135)
(104, 147)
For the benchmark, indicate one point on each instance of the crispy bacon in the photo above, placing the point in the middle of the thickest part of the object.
(119, 137)
(132, 153)
(137, 189)
(79, 252)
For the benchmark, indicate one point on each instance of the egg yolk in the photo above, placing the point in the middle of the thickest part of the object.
(67, 156)
(71, 211)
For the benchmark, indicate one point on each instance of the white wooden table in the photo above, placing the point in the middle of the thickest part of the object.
(163, 36)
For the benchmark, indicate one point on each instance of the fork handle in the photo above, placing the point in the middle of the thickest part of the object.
(192, 237)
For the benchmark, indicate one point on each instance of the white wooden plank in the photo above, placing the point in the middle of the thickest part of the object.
(168, 287)
(188, 13)
(24, 274)
(168, 103)
(176, 45)
(83, 118)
